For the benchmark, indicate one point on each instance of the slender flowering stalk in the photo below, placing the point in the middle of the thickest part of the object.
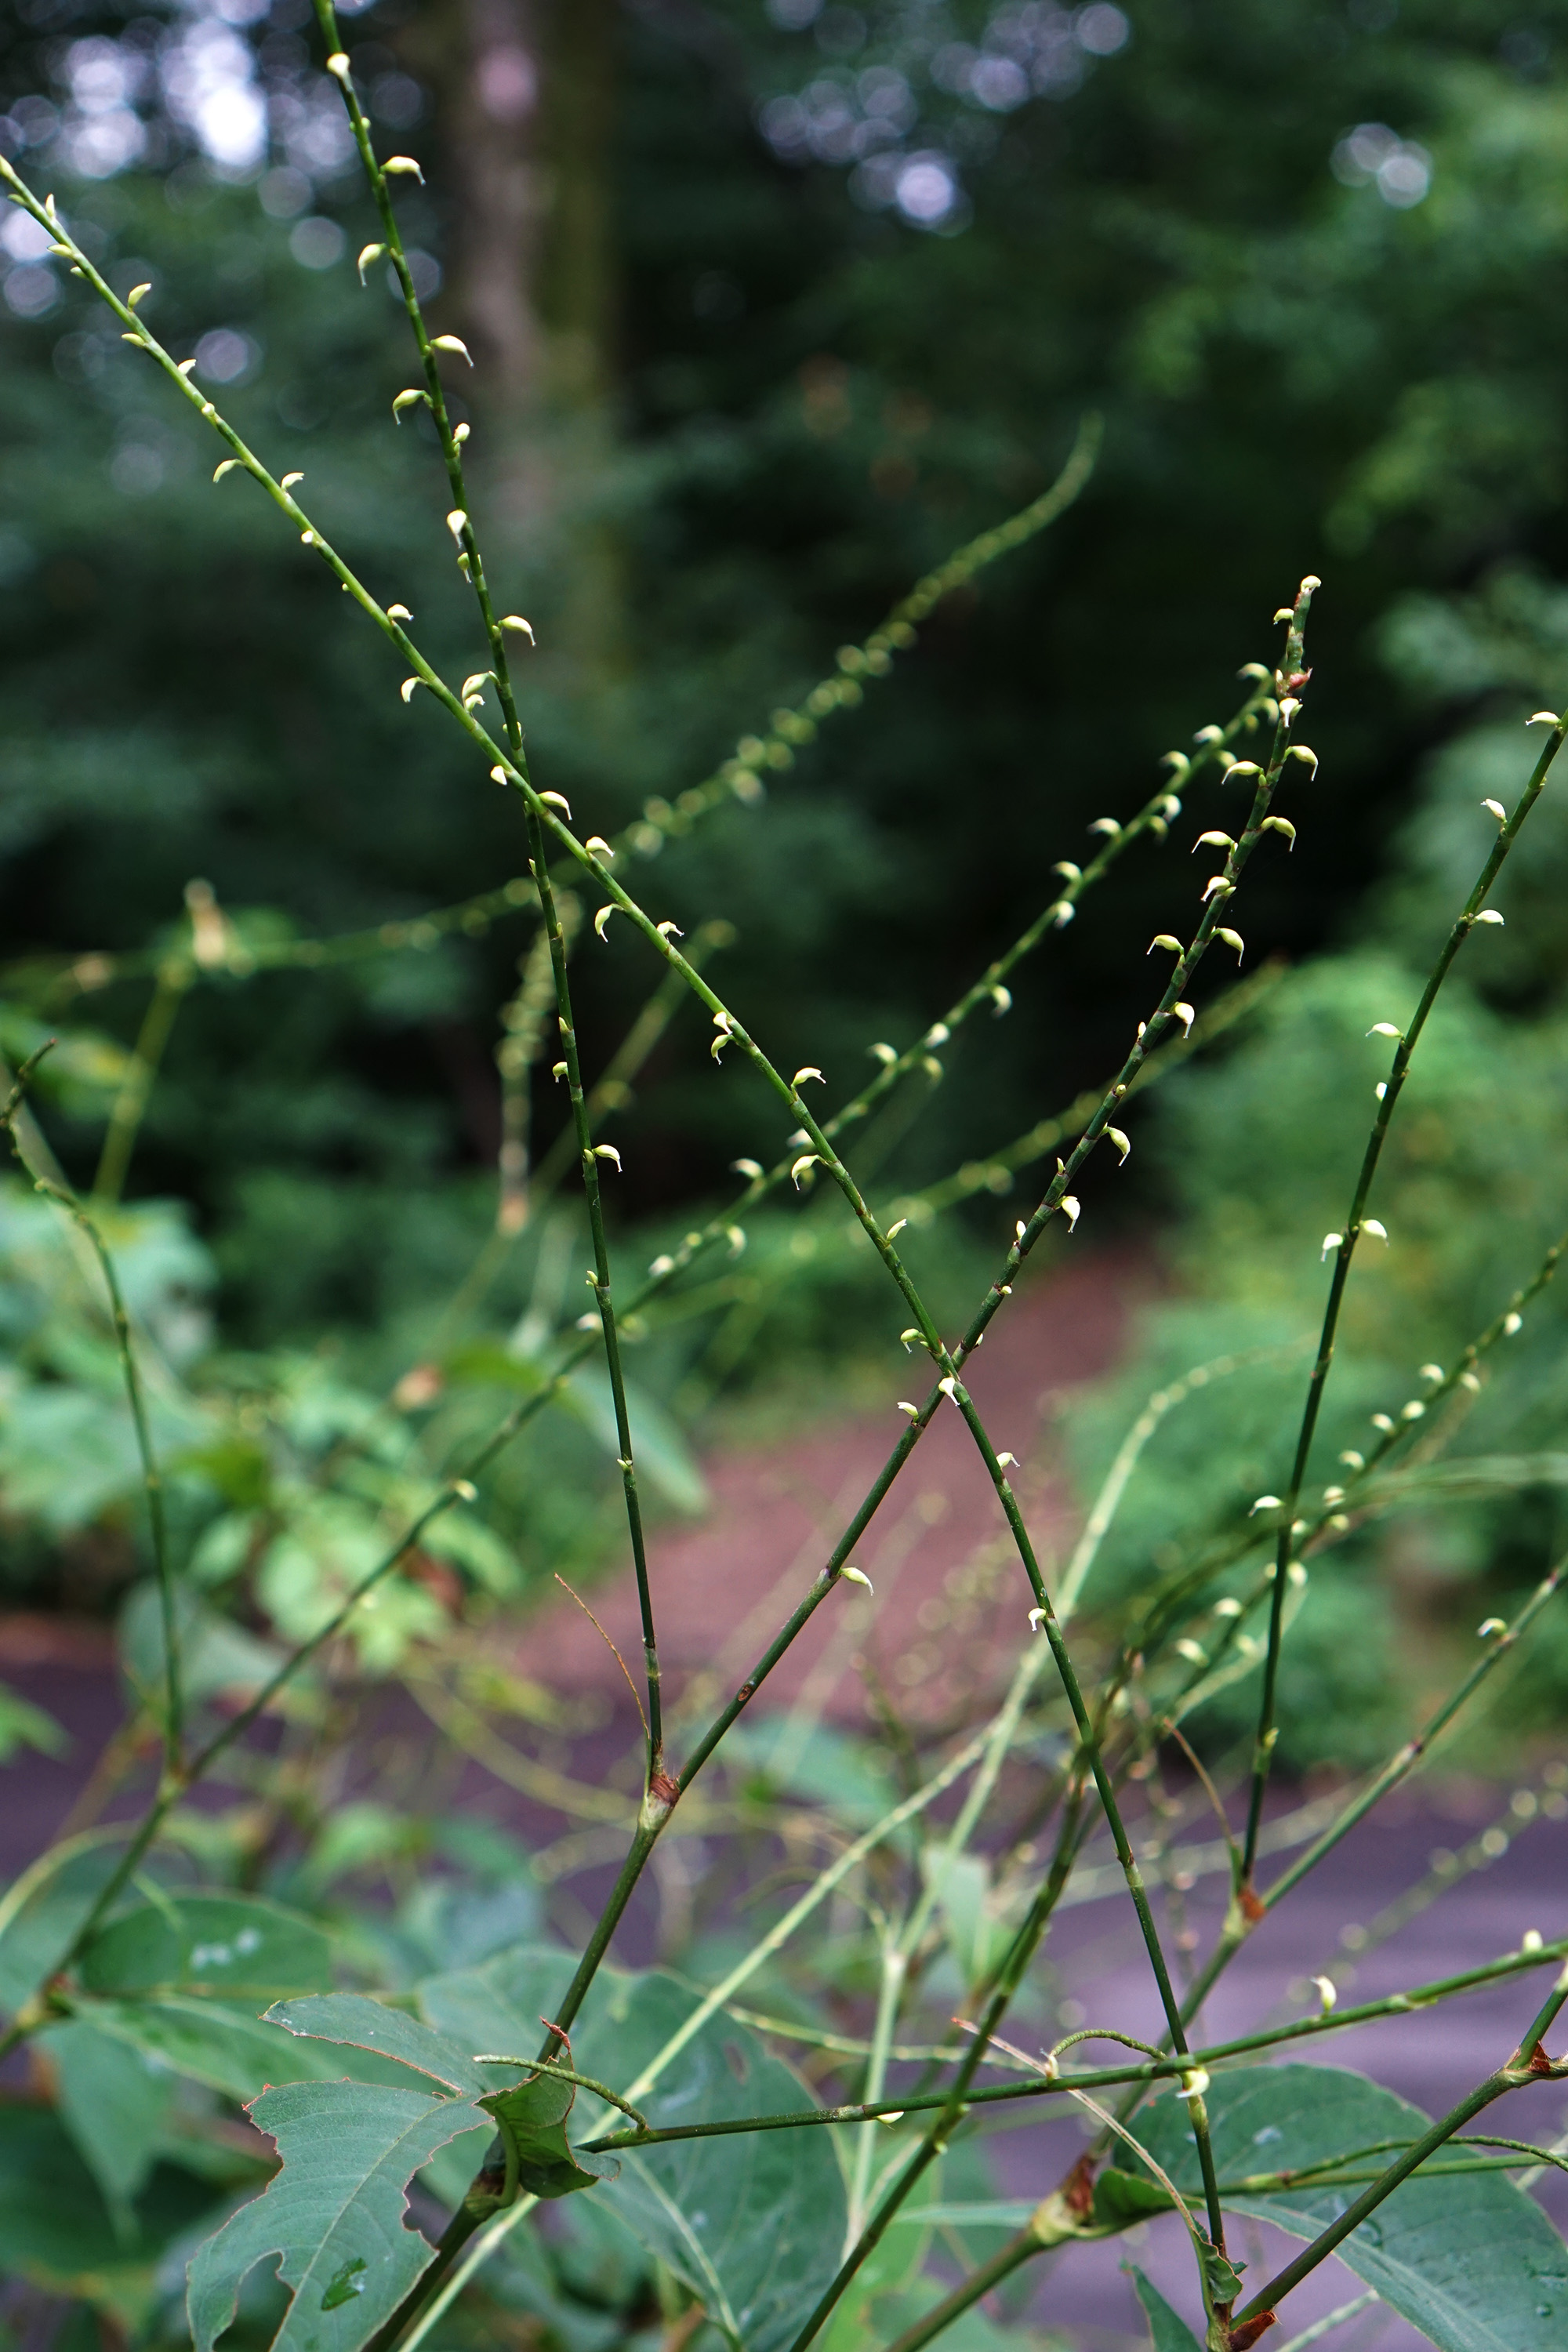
(1344, 1246)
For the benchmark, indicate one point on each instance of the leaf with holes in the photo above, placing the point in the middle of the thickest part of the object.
(333, 2219)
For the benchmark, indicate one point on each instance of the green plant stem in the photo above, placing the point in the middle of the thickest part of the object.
(174, 1711)
(173, 980)
(1274, 2290)
(1419, 1998)
(964, 2296)
(656, 1777)
(1405, 1047)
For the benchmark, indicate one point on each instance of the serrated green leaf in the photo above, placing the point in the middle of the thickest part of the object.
(333, 2218)
(533, 2119)
(1471, 2260)
(365, 2024)
(230, 2052)
(232, 1948)
(1168, 2330)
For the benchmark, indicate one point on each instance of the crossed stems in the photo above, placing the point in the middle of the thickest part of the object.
(1170, 1009)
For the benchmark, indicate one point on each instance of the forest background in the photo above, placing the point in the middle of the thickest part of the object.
(770, 308)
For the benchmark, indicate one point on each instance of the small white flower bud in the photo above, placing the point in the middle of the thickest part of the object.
(1265, 1503)
(1106, 824)
(1490, 915)
(1194, 2083)
(883, 1054)
(1001, 997)
(912, 1410)
(1530, 1941)
(1328, 1992)
(1330, 1242)
(1381, 1421)
(138, 294)
(1187, 1648)
(1037, 1619)
(937, 1034)
(1286, 612)
(1210, 734)
(1113, 1135)
(1184, 1015)
(559, 1070)
(226, 467)
(599, 845)
(661, 1266)
(809, 1071)
(556, 799)
(1164, 939)
(1217, 886)
(1513, 1322)
(1352, 1460)
(1489, 1627)
(589, 1322)
(1068, 870)
(857, 1576)
(367, 255)
(409, 399)
(1496, 808)
(453, 343)
(897, 1228)
(1333, 1494)
(949, 1387)
(457, 523)
(669, 929)
(603, 917)
(1178, 762)
(1232, 940)
(607, 1152)
(1381, 1089)
(1413, 1411)
(1212, 839)
(407, 689)
(736, 1237)
(807, 1159)
(1379, 1232)
(460, 433)
(1542, 719)
(1006, 1461)
(1470, 1380)
(1070, 1210)
(751, 1169)
(1243, 768)
(402, 167)
(1383, 1029)
(1280, 824)
(401, 613)
(337, 67)
(519, 627)
(1061, 914)
(1431, 1371)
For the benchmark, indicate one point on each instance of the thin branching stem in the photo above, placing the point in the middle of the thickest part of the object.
(1344, 1251)
(173, 1707)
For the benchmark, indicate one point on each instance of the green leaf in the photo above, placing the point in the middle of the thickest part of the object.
(1122, 2198)
(1471, 2261)
(44, 1909)
(113, 2100)
(753, 2225)
(57, 2231)
(368, 2024)
(23, 1725)
(232, 1948)
(334, 2216)
(1168, 2330)
(532, 2118)
(230, 2052)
